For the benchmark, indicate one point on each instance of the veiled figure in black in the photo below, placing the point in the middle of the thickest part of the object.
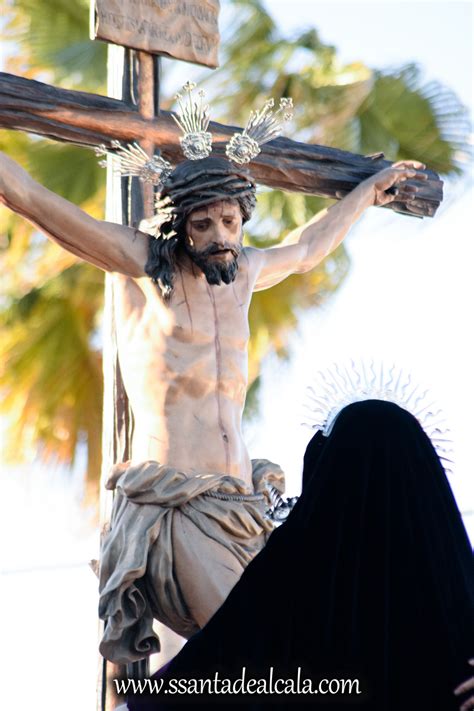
(370, 578)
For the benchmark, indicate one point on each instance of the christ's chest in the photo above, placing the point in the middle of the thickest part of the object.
(203, 313)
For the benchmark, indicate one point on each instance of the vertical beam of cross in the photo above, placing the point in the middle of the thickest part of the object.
(132, 77)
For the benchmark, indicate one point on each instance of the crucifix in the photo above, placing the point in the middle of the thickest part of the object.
(133, 115)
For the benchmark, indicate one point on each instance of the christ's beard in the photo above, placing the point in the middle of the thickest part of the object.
(214, 270)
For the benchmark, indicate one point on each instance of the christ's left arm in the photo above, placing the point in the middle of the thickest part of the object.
(307, 246)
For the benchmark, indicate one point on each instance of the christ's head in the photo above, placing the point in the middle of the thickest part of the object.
(208, 201)
(213, 240)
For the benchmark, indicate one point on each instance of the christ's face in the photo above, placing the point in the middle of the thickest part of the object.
(214, 240)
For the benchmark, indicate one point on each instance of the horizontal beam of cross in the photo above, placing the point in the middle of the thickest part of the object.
(90, 119)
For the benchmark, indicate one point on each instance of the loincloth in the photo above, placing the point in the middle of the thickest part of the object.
(137, 575)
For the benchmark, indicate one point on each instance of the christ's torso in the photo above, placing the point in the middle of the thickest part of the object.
(184, 366)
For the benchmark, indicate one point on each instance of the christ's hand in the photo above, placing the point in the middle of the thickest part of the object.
(467, 685)
(390, 184)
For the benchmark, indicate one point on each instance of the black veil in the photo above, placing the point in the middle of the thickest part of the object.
(370, 578)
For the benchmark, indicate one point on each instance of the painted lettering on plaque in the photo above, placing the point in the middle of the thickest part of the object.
(182, 29)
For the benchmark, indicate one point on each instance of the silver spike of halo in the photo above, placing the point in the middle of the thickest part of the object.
(262, 126)
(193, 120)
(339, 386)
(133, 161)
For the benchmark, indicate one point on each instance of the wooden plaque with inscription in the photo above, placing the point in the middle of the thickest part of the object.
(182, 29)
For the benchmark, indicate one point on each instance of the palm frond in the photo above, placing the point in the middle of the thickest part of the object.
(53, 37)
(50, 377)
(411, 118)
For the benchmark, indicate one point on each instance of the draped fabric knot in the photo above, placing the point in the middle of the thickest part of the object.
(137, 580)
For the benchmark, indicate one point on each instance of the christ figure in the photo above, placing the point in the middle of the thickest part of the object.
(190, 507)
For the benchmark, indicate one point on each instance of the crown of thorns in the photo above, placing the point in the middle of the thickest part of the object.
(196, 141)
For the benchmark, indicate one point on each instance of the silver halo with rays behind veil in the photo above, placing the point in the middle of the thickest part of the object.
(336, 387)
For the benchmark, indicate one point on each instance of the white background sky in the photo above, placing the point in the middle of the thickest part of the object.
(408, 299)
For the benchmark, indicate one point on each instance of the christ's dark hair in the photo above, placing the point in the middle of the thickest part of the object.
(191, 185)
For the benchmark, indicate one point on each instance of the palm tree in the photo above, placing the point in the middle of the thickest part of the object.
(50, 373)
(51, 304)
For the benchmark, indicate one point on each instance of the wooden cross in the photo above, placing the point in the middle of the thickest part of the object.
(130, 74)
(90, 120)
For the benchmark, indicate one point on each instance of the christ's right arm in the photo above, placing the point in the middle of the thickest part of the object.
(111, 247)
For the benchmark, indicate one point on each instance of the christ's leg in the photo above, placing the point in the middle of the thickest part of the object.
(206, 571)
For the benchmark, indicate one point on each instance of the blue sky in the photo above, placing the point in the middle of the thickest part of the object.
(382, 33)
